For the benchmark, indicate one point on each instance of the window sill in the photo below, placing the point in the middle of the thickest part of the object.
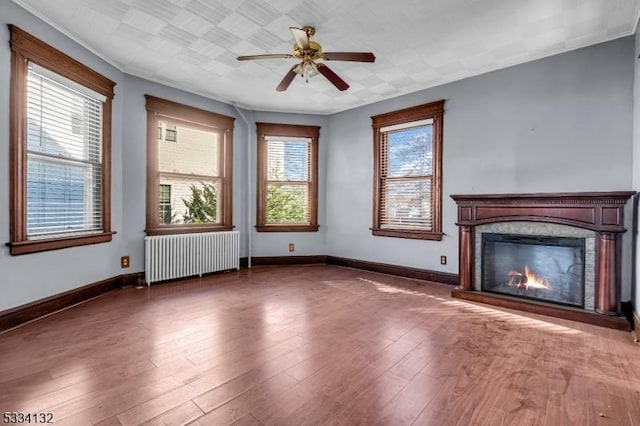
(287, 228)
(35, 246)
(414, 235)
(187, 229)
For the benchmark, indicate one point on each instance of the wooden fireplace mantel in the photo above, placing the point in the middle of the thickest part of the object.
(601, 212)
(598, 211)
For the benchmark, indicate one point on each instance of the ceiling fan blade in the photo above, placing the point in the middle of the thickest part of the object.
(286, 81)
(274, 56)
(349, 56)
(332, 77)
(301, 37)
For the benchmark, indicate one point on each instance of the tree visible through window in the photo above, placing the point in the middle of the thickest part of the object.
(408, 146)
(287, 174)
(189, 177)
(202, 207)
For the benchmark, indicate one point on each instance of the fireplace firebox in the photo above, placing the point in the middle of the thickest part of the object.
(544, 268)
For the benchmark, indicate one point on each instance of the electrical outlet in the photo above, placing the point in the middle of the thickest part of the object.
(443, 260)
(291, 247)
(124, 262)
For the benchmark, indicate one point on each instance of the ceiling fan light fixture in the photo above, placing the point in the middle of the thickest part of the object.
(310, 69)
(306, 70)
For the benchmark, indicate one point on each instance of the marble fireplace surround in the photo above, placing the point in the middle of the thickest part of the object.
(595, 216)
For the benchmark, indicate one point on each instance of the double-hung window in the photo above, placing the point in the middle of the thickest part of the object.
(407, 173)
(287, 177)
(189, 169)
(60, 149)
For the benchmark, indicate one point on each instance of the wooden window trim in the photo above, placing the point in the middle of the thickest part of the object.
(27, 48)
(287, 130)
(435, 111)
(198, 118)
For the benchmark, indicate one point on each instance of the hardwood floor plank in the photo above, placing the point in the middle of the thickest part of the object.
(111, 421)
(247, 420)
(408, 404)
(230, 411)
(275, 408)
(220, 395)
(314, 344)
(414, 362)
(177, 416)
(365, 406)
(267, 363)
(314, 411)
(108, 390)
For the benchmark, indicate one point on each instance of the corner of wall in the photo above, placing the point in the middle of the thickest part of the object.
(635, 279)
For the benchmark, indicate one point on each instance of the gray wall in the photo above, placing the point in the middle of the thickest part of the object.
(635, 293)
(276, 243)
(35, 276)
(558, 124)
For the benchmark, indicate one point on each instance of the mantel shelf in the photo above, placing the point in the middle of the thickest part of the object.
(598, 211)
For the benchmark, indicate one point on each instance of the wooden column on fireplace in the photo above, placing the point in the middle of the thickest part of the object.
(601, 212)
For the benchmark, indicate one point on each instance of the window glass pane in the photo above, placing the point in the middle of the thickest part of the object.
(406, 204)
(287, 203)
(288, 160)
(165, 204)
(171, 135)
(410, 152)
(165, 193)
(64, 155)
(189, 150)
(59, 197)
(190, 200)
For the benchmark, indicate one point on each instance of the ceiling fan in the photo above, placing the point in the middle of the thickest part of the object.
(309, 52)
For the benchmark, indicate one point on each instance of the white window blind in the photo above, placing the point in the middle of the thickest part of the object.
(406, 176)
(288, 183)
(408, 125)
(64, 156)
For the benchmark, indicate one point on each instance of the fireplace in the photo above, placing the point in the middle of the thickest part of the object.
(545, 268)
(556, 254)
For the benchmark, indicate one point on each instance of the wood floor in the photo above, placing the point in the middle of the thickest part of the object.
(314, 345)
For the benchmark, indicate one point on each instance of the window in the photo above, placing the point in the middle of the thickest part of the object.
(60, 149)
(407, 174)
(287, 177)
(165, 203)
(189, 179)
(171, 135)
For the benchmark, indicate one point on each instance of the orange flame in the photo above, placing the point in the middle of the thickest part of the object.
(528, 280)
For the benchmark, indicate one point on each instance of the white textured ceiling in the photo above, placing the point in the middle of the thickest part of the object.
(192, 44)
